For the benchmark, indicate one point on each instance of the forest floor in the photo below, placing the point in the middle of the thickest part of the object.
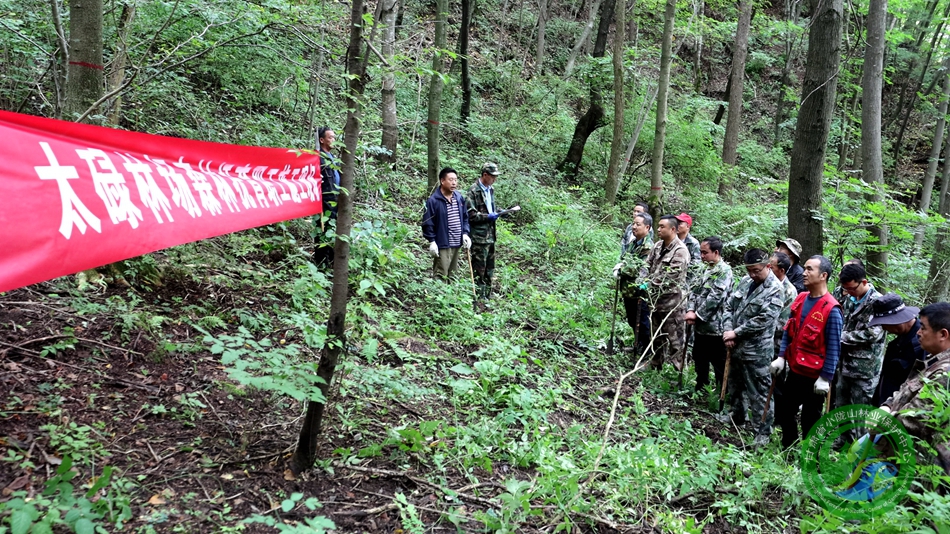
(203, 451)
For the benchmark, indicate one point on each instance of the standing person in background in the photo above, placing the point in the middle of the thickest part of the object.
(683, 226)
(838, 292)
(634, 250)
(482, 214)
(445, 223)
(705, 309)
(862, 344)
(663, 278)
(748, 329)
(780, 264)
(643, 207)
(811, 345)
(793, 249)
(329, 189)
(904, 353)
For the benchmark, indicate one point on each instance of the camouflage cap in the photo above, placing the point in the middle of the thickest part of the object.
(491, 169)
(792, 245)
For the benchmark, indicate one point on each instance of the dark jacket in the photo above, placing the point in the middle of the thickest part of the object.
(330, 182)
(483, 229)
(435, 220)
(796, 275)
(899, 359)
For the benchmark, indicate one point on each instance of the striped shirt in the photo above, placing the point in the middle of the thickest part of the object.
(455, 223)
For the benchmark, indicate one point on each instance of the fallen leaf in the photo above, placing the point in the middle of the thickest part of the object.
(19, 483)
(289, 475)
(156, 500)
(164, 376)
(179, 388)
(227, 476)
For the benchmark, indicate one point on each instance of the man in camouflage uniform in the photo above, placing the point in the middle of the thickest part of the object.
(684, 224)
(838, 293)
(780, 263)
(664, 277)
(748, 329)
(482, 214)
(634, 249)
(907, 404)
(704, 310)
(862, 345)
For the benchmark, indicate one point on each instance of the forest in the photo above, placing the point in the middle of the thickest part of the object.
(233, 384)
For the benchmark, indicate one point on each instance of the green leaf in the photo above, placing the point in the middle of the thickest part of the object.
(42, 528)
(462, 369)
(85, 526)
(287, 505)
(20, 522)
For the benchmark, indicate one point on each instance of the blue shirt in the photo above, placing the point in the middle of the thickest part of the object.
(486, 192)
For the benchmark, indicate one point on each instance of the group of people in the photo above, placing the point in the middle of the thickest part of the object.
(452, 221)
(789, 341)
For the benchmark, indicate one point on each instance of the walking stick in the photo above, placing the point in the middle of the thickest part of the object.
(725, 379)
(828, 401)
(768, 399)
(689, 331)
(636, 330)
(471, 273)
(613, 323)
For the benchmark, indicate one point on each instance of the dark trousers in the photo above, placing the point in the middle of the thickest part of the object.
(797, 390)
(483, 267)
(708, 349)
(630, 306)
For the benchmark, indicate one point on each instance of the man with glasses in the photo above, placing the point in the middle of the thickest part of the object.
(811, 345)
(780, 263)
(862, 344)
(748, 328)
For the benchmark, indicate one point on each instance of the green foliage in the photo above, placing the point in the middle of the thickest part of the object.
(263, 365)
(62, 505)
(310, 525)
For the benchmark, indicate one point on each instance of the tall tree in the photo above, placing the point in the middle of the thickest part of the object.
(85, 71)
(435, 94)
(306, 452)
(542, 26)
(616, 144)
(926, 193)
(814, 123)
(583, 39)
(466, 111)
(792, 10)
(663, 88)
(871, 160)
(730, 144)
(388, 103)
(594, 118)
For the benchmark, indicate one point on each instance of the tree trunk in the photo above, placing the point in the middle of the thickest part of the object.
(306, 453)
(594, 118)
(945, 179)
(119, 62)
(814, 122)
(583, 39)
(844, 149)
(730, 144)
(466, 110)
(435, 95)
(926, 193)
(85, 71)
(616, 144)
(663, 88)
(641, 120)
(698, 60)
(542, 25)
(388, 106)
(871, 164)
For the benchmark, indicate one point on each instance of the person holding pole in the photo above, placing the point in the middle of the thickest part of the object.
(445, 224)
(811, 346)
(748, 329)
(705, 309)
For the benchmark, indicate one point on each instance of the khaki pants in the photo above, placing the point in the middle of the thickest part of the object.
(447, 261)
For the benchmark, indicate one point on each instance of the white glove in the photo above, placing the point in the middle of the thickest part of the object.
(822, 387)
(777, 366)
(885, 409)
(466, 241)
(433, 250)
(617, 269)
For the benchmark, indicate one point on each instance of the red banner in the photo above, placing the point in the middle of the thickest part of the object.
(75, 196)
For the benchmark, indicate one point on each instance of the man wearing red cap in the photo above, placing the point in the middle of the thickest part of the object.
(685, 222)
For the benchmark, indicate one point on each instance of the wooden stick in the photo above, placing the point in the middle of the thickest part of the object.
(725, 379)
(471, 272)
(768, 399)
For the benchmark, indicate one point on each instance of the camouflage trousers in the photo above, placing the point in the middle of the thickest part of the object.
(749, 383)
(669, 335)
(483, 267)
(851, 390)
